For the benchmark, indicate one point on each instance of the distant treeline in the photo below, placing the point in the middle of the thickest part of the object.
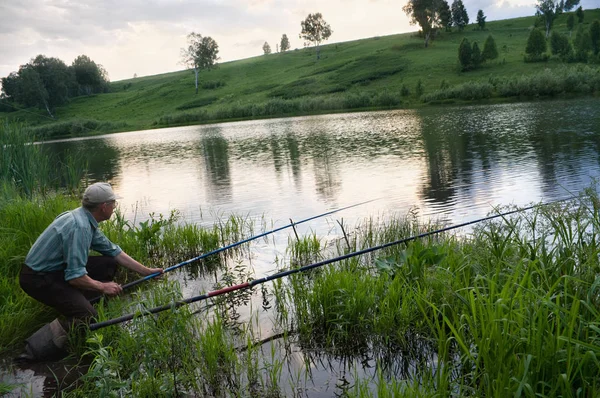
(47, 82)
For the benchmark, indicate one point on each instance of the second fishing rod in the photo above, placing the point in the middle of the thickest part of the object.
(230, 246)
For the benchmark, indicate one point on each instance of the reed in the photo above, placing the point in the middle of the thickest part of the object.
(511, 309)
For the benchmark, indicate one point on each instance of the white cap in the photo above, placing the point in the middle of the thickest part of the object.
(99, 192)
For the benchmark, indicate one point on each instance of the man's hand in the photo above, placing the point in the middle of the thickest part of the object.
(111, 288)
(150, 271)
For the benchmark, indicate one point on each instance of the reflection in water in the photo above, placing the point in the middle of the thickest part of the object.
(327, 177)
(216, 160)
(102, 158)
(456, 161)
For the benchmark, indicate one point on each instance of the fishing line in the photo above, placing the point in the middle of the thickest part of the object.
(176, 304)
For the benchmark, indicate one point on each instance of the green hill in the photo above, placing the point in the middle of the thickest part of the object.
(379, 72)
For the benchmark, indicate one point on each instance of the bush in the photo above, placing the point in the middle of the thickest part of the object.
(419, 89)
(211, 85)
(560, 45)
(475, 55)
(360, 100)
(404, 90)
(386, 99)
(536, 45)
(583, 44)
(464, 54)
(467, 91)
(490, 51)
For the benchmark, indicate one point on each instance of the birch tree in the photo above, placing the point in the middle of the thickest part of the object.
(200, 54)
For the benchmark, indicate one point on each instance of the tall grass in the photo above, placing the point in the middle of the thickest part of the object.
(25, 167)
(510, 310)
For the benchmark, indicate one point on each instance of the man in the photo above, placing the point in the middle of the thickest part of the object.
(59, 272)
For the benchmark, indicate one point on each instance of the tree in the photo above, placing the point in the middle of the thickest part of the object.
(583, 44)
(26, 88)
(595, 36)
(315, 30)
(425, 13)
(579, 14)
(490, 51)
(57, 78)
(201, 53)
(266, 48)
(464, 54)
(481, 19)
(536, 45)
(570, 24)
(445, 15)
(475, 55)
(559, 45)
(548, 10)
(285, 43)
(459, 14)
(90, 77)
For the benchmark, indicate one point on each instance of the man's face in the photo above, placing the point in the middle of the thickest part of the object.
(108, 208)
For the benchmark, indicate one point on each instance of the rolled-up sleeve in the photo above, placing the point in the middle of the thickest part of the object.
(75, 253)
(101, 244)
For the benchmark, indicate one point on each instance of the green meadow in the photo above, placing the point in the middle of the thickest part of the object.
(375, 73)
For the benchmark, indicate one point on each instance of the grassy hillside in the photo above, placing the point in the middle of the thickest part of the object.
(362, 74)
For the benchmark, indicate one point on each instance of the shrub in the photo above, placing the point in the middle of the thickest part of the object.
(536, 45)
(560, 45)
(464, 54)
(419, 89)
(385, 98)
(583, 44)
(211, 85)
(595, 36)
(490, 51)
(466, 91)
(404, 90)
(475, 55)
(360, 100)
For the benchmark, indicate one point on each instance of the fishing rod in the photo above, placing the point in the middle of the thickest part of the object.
(255, 282)
(210, 253)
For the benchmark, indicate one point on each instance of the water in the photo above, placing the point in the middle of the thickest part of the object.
(454, 164)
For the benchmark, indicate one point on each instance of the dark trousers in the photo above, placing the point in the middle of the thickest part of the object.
(51, 289)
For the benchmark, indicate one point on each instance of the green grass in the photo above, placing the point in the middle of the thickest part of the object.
(362, 74)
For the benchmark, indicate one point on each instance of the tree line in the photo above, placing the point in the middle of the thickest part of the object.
(584, 48)
(47, 82)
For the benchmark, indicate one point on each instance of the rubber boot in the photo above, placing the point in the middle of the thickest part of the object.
(49, 342)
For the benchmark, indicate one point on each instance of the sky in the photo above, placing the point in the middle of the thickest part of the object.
(145, 37)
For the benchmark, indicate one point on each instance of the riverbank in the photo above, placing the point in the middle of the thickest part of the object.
(378, 73)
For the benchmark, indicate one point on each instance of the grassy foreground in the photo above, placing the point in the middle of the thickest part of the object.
(377, 73)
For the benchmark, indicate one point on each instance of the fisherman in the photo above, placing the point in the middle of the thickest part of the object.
(59, 272)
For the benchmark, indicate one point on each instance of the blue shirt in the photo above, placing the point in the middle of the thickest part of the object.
(66, 243)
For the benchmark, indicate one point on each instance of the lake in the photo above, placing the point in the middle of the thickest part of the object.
(454, 164)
